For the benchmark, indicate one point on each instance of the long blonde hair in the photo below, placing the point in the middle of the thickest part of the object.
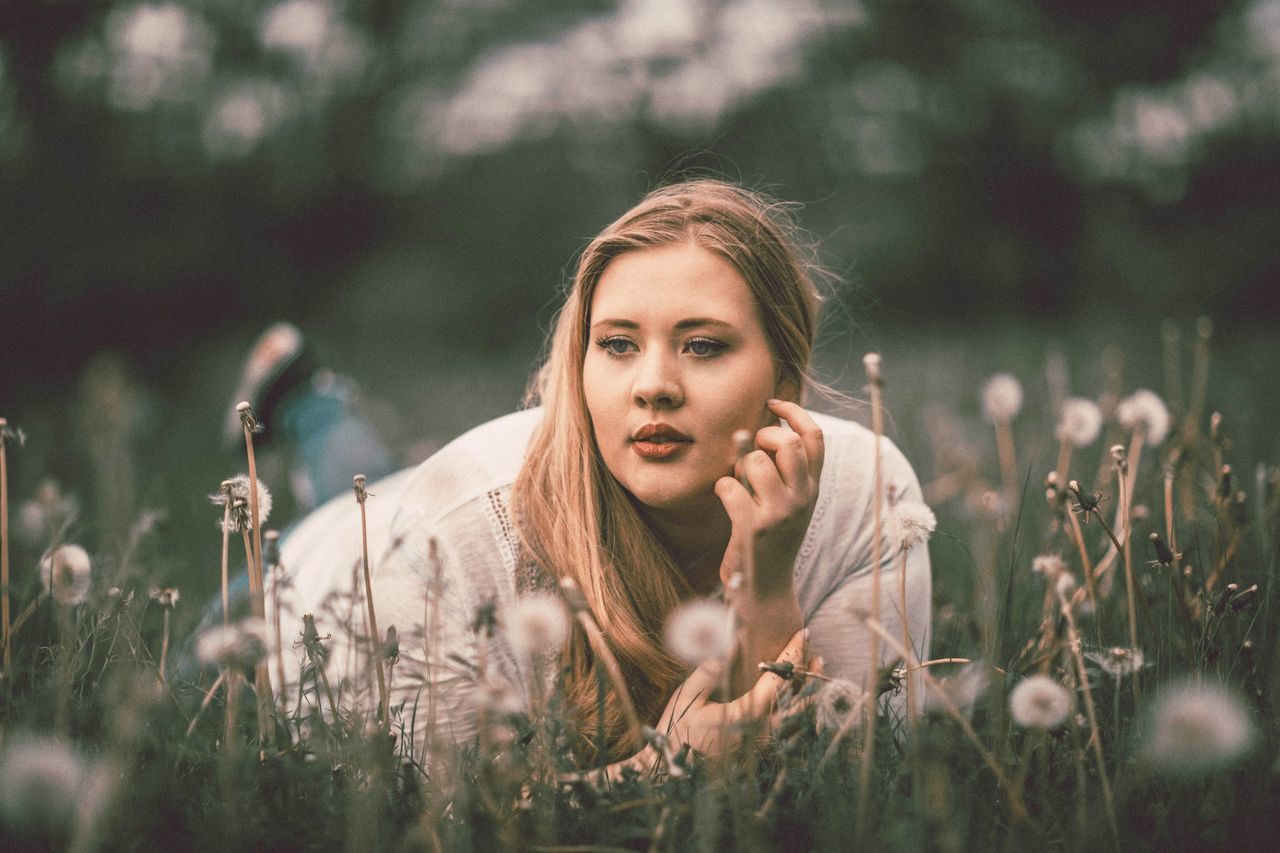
(574, 518)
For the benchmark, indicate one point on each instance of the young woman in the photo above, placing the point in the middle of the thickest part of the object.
(691, 318)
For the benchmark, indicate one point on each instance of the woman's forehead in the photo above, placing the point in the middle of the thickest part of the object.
(673, 285)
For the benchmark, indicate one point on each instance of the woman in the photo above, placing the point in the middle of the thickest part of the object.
(690, 318)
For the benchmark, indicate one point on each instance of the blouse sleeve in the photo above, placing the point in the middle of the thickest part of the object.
(842, 562)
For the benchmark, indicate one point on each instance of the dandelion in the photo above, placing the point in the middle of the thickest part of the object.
(537, 624)
(1197, 728)
(242, 645)
(700, 630)
(909, 523)
(961, 690)
(235, 492)
(1065, 586)
(1080, 422)
(46, 512)
(1039, 702)
(1001, 398)
(65, 574)
(40, 782)
(166, 597)
(1144, 410)
(838, 699)
(1049, 565)
(1118, 661)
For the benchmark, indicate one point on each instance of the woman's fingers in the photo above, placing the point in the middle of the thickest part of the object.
(804, 426)
(789, 453)
(763, 476)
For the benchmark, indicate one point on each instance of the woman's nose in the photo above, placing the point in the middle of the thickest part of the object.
(657, 382)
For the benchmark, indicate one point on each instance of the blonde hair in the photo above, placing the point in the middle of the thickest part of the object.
(574, 518)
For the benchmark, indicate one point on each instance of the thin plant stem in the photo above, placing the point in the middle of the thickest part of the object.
(1008, 461)
(164, 647)
(1064, 462)
(4, 550)
(262, 678)
(226, 542)
(1095, 735)
(1077, 536)
(912, 709)
(375, 638)
(208, 699)
(277, 575)
(1015, 802)
(1127, 515)
(875, 385)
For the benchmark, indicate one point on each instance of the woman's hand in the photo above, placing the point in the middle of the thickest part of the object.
(783, 473)
(714, 728)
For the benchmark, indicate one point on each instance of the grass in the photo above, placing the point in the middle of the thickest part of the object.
(100, 751)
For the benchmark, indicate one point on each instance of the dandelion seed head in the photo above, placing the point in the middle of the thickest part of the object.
(1197, 728)
(871, 363)
(1144, 410)
(837, 701)
(1039, 702)
(242, 644)
(1049, 565)
(65, 574)
(166, 597)
(40, 780)
(909, 523)
(700, 630)
(1080, 422)
(962, 689)
(236, 491)
(1001, 398)
(537, 624)
(1118, 661)
(1065, 585)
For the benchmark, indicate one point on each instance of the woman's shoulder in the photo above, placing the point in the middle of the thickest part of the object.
(850, 444)
(482, 460)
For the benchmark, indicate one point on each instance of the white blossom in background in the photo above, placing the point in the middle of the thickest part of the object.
(1144, 410)
(1039, 702)
(837, 700)
(909, 523)
(65, 574)
(40, 786)
(158, 53)
(700, 630)
(243, 116)
(300, 26)
(962, 689)
(1080, 423)
(1118, 661)
(1001, 398)
(1049, 565)
(537, 624)
(1197, 728)
(241, 644)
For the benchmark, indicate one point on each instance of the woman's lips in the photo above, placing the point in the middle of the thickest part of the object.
(658, 448)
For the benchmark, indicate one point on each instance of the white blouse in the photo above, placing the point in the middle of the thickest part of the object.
(459, 499)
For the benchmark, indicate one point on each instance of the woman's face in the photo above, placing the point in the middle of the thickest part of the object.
(677, 361)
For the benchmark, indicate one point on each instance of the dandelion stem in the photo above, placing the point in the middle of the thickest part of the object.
(375, 637)
(208, 699)
(912, 709)
(226, 543)
(1015, 802)
(5, 637)
(1095, 735)
(164, 647)
(1127, 515)
(262, 678)
(872, 363)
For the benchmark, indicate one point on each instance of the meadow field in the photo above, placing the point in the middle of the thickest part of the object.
(1102, 673)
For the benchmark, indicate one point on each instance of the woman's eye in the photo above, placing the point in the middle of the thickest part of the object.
(615, 346)
(704, 346)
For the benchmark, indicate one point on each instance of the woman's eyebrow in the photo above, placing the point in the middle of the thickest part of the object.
(688, 323)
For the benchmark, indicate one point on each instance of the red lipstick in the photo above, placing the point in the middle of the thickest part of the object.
(659, 441)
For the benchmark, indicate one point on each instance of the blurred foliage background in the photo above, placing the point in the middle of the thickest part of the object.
(409, 180)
